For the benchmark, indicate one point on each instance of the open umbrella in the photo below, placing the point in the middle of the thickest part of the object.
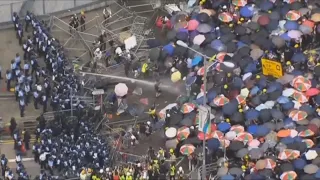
(121, 89)
(193, 24)
(288, 175)
(199, 39)
(172, 143)
(220, 100)
(244, 137)
(295, 34)
(300, 97)
(239, 3)
(183, 133)
(171, 132)
(288, 154)
(204, 28)
(297, 115)
(187, 108)
(311, 154)
(293, 15)
(301, 83)
(225, 17)
(237, 129)
(315, 17)
(187, 149)
(176, 76)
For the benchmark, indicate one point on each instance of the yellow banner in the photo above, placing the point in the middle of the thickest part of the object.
(271, 68)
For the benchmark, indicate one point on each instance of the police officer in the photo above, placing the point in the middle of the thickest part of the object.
(27, 92)
(35, 99)
(22, 106)
(27, 20)
(9, 78)
(20, 33)
(17, 60)
(4, 163)
(15, 20)
(26, 68)
(44, 102)
(172, 171)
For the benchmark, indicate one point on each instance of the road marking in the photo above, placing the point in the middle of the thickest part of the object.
(12, 141)
(23, 160)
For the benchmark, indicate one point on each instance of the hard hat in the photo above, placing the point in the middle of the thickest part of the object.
(227, 120)
(171, 150)
(296, 45)
(230, 25)
(264, 90)
(97, 50)
(180, 168)
(107, 169)
(148, 122)
(139, 164)
(241, 19)
(101, 171)
(229, 74)
(173, 69)
(243, 167)
(288, 63)
(82, 12)
(258, 76)
(133, 137)
(225, 86)
(241, 110)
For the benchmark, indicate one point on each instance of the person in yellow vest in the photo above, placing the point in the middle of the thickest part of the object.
(172, 171)
(129, 177)
(144, 69)
(172, 155)
(89, 173)
(161, 154)
(83, 175)
(122, 177)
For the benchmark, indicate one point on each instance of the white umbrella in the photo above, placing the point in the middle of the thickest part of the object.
(311, 154)
(269, 104)
(121, 89)
(199, 39)
(261, 107)
(231, 135)
(288, 92)
(246, 76)
(171, 132)
(245, 92)
(295, 34)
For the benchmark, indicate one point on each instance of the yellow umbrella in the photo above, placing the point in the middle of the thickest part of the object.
(315, 17)
(176, 76)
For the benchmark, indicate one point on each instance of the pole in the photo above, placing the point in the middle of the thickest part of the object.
(204, 103)
(71, 108)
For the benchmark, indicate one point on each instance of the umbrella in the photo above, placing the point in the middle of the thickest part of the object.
(288, 154)
(306, 133)
(288, 92)
(237, 129)
(244, 137)
(172, 143)
(193, 24)
(183, 133)
(202, 135)
(121, 89)
(294, 34)
(203, 17)
(162, 112)
(187, 108)
(311, 154)
(225, 17)
(261, 164)
(256, 153)
(311, 169)
(271, 164)
(210, 12)
(308, 142)
(176, 76)
(297, 115)
(236, 145)
(239, 3)
(220, 100)
(213, 144)
(315, 17)
(199, 39)
(312, 92)
(301, 83)
(171, 132)
(187, 149)
(293, 15)
(289, 175)
(241, 99)
(235, 171)
(300, 97)
(204, 28)
(263, 20)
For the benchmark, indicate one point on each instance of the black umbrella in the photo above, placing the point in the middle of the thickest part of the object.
(227, 37)
(237, 117)
(265, 115)
(191, 53)
(209, 51)
(286, 167)
(171, 35)
(203, 17)
(236, 145)
(180, 51)
(240, 30)
(231, 47)
(244, 50)
(192, 140)
(175, 118)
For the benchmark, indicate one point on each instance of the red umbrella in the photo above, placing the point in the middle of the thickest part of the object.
(264, 20)
(312, 92)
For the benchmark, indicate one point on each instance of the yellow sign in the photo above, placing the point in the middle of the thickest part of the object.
(271, 68)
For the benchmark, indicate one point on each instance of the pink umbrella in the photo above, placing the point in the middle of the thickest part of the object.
(254, 143)
(192, 25)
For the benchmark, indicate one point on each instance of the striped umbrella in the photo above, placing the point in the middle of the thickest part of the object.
(187, 149)
(200, 72)
(183, 133)
(301, 83)
(217, 134)
(220, 56)
(289, 175)
(300, 97)
(244, 137)
(271, 164)
(239, 3)
(308, 142)
(293, 15)
(220, 100)
(306, 133)
(225, 17)
(187, 108)
(237, 128)
(241, 99)
(288, 154)
(297, 115)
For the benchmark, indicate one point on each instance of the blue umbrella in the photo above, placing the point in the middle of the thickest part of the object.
(251, 67)
(262, 83)
(183, 36)
(282, 100)
(192, 35)
(299, 58)
(317, 99)
(271, 89)
(230, 107)
(287, 106)
(278, 85)
(291, 25)
(252, 129)
(251, 114)
(299, 163)
(227, 177)
(224, 126)
(213, 144)
(196, 60)
(317, 174)
(247, 11)
(254, 91)
(169, 49)
(285, 37)
(288, 123)
(262, 130)
(266, 5)
(296, 72)
(217, 45)
(287, 140)
(211, 94)
(190, 80)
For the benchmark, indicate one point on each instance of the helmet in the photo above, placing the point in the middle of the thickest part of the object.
(148, 122)
(171, 150)
(180, 168)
